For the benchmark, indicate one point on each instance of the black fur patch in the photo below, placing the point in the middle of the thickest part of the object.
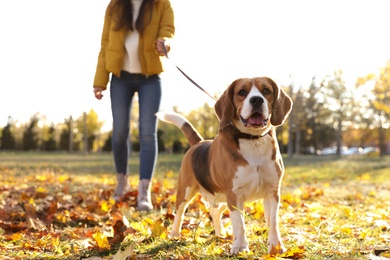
(201, 167)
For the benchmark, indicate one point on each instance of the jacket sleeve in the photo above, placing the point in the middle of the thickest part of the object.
(101, 74)
(167, 23)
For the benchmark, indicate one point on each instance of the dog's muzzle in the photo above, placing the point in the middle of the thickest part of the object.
(255, 120)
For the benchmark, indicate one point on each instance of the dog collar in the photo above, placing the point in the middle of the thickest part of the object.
(237, 134)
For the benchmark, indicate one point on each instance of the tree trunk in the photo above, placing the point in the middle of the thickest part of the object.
(70, 147)
(338, 136)
(85, 133)
(290, 138)
(382, 141)
(298, 141)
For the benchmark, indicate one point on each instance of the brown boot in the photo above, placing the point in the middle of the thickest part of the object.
(122, 187)
(144, 199)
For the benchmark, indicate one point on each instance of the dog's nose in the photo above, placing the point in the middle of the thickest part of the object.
(256, 101)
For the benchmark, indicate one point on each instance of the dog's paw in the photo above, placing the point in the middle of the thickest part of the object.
(174, 234)
(239, 246)
(278, 249)
(236, 250)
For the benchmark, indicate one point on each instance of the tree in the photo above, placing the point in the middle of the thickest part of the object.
(69, 137)
(171, 134)
(379, 101)
(107, 147)
(49, 144)
(7, 141)
(89, 126)
(205, 121)
(160, 141)
(338, 99)
(30, 137)
(312, 118)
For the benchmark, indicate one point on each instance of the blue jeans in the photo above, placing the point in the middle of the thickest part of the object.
(122, 91)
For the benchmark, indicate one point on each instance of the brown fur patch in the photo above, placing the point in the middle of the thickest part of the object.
(201, 167)
(192, 135)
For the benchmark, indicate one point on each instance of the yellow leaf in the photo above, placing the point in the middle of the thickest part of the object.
(41, 190)
(63, 178)
(291, 199)
(214, 249)
(294, 253)
(137, 226)
(158, 229)
(41, 178)
(246, 255)
(104, 206)
(101, 240)
(385, 254)
(16, 236)
(362, 235)
(168, 184)
(346, 230)
(269, 257)
(259, 210)
(148, 221)
(185, 232)
(200, 240)
(55, 241)
(31, 201)
(169, 174)
(347, 211)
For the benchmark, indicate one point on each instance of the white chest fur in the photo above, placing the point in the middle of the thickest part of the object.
(259, 177)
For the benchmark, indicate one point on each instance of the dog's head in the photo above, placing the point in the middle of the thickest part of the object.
(253, 105)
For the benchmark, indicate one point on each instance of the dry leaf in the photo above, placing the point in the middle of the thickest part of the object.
(123, 255)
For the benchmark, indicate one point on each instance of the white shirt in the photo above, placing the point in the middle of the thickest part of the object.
(131, 61)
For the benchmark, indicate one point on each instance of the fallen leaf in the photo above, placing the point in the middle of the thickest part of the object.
(30, 208)
(101, 240)
(158, 229)
(35, 224)
(122, 255)
(294, 253)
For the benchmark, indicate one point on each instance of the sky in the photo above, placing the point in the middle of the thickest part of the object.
(49, 49)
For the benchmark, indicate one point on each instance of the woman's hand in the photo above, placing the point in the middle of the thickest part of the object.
(160, 44)
(98, 92)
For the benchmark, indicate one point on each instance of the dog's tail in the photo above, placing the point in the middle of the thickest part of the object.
(181, 122)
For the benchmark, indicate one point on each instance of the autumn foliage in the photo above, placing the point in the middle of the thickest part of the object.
(53, 208)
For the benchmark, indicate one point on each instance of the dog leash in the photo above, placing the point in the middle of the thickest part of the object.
(188, 77)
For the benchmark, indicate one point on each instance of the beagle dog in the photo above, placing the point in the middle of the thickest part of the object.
(241, 164)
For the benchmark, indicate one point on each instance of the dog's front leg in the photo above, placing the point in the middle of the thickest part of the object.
(240, 244)
(271, 209)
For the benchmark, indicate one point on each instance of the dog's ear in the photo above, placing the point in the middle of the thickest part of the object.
(282, 105)
(224, 107)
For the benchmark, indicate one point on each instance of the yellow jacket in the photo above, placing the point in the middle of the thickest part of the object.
(112, 51)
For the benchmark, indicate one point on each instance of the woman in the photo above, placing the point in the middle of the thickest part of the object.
(133, 39)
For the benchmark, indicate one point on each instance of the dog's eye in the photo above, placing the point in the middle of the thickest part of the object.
(266, 91)
(242, 93)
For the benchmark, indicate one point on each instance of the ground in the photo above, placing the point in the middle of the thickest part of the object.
(59, 206)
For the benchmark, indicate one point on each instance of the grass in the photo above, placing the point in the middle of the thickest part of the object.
(332, 208)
